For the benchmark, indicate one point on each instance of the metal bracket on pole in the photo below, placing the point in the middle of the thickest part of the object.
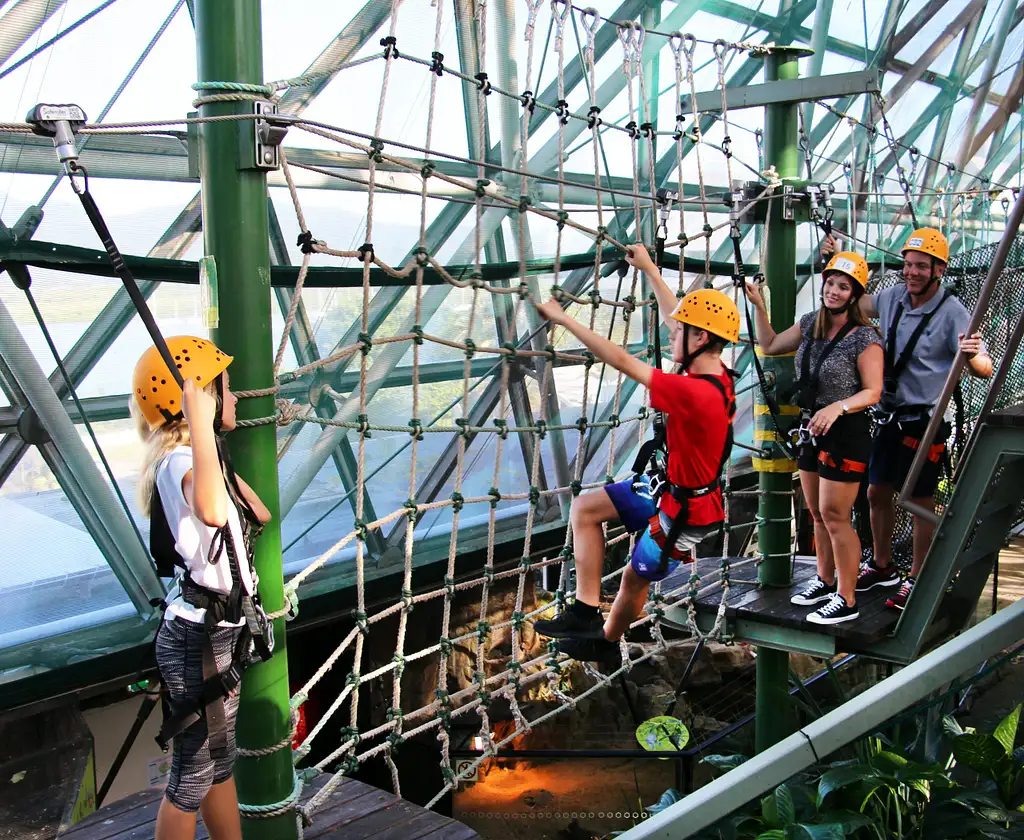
(787, 202)
(268, 133)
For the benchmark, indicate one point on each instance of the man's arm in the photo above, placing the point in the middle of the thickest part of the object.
(867, 306)
(605, 350)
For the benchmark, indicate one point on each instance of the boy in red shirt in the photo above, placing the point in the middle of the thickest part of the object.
(677, 507)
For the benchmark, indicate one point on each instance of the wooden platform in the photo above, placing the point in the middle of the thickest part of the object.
(355, 811)
(771, 606)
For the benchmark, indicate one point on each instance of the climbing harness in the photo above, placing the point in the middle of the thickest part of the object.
(61, 122)
(807, 385)
(885, 410)
(683, 495)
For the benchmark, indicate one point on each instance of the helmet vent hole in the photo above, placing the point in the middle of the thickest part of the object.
(154, 379)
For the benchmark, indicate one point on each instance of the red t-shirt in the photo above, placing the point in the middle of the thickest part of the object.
(697, 423)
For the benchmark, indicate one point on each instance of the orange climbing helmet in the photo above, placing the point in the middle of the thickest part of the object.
(928, 241)
(155, 391)
(852, 265)
(707, 309)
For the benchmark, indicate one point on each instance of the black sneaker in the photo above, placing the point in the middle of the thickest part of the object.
(568, 625)
(816, 592)
(871, 576)
(589, 650)
(836, 611)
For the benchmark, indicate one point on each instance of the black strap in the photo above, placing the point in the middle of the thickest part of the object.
(127, 278)
(808, 380)
(216, 686)
(894, 367)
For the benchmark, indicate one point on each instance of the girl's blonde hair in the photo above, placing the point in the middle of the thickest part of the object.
(159, 443)
(823, 319)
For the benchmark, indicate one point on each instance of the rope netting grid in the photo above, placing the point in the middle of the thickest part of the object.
(518, 674)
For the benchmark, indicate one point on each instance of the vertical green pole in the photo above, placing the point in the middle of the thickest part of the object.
(235, 226)
(772, 713)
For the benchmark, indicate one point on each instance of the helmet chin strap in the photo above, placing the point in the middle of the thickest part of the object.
(688, 357)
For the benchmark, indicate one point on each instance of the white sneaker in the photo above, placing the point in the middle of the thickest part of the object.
(836, 611)
(816, 592)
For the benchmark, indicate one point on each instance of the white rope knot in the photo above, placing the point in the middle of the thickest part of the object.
(287, 412)
(771, 176)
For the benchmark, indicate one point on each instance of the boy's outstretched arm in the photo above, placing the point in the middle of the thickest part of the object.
(605, 350)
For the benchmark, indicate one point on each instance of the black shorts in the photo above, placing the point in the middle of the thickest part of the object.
(842, 453)
(893, 450)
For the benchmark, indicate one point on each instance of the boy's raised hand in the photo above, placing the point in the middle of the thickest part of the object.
(638, 257)
(551, 310)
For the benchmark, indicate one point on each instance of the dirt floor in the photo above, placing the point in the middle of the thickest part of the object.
(541, 800)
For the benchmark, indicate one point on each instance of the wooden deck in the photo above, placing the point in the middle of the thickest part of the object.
(355, 811)
(771, 606)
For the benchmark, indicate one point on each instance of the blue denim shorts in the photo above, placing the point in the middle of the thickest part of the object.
(633, 502)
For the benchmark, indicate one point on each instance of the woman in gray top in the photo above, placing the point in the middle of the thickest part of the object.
(839, 361)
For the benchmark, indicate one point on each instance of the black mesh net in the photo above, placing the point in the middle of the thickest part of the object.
(965, 276)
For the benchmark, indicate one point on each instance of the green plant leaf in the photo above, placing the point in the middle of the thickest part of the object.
(833, 780)
(981, 752)
(772, 834)
(784, 805)
(723, 762)
(889, 762)
(849, 821)
(770, 812)
(1006, 732)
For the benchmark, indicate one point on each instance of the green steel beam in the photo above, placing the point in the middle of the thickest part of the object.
(87, 490)
(1003, 25)
(772, 713)
(235, 221)
(787, 91)
(115, 406)
(818, 43)
(754, 632)
(944, 107)
(817, 741)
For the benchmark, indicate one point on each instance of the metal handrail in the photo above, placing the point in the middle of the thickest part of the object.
(980, 309)
(863, 714)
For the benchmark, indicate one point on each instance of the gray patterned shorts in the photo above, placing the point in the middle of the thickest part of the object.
(179, 656)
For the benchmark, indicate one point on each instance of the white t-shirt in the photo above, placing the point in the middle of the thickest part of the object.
(192, 540)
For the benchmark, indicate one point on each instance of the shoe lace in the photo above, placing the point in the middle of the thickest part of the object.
(834, 605)
(907, 588)
(814, 586)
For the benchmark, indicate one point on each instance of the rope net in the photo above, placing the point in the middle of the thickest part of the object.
(511, 393)
(526, 348)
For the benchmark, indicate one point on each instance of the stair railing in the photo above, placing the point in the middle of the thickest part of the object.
(977, 316)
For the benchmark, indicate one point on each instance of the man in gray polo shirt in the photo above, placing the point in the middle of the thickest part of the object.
(923, 328)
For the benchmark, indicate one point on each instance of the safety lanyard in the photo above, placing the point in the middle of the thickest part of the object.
(809, 383)
(893, 367)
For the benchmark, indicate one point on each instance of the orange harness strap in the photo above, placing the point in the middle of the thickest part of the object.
(845, 466)
(658, 535)
(934, 453)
